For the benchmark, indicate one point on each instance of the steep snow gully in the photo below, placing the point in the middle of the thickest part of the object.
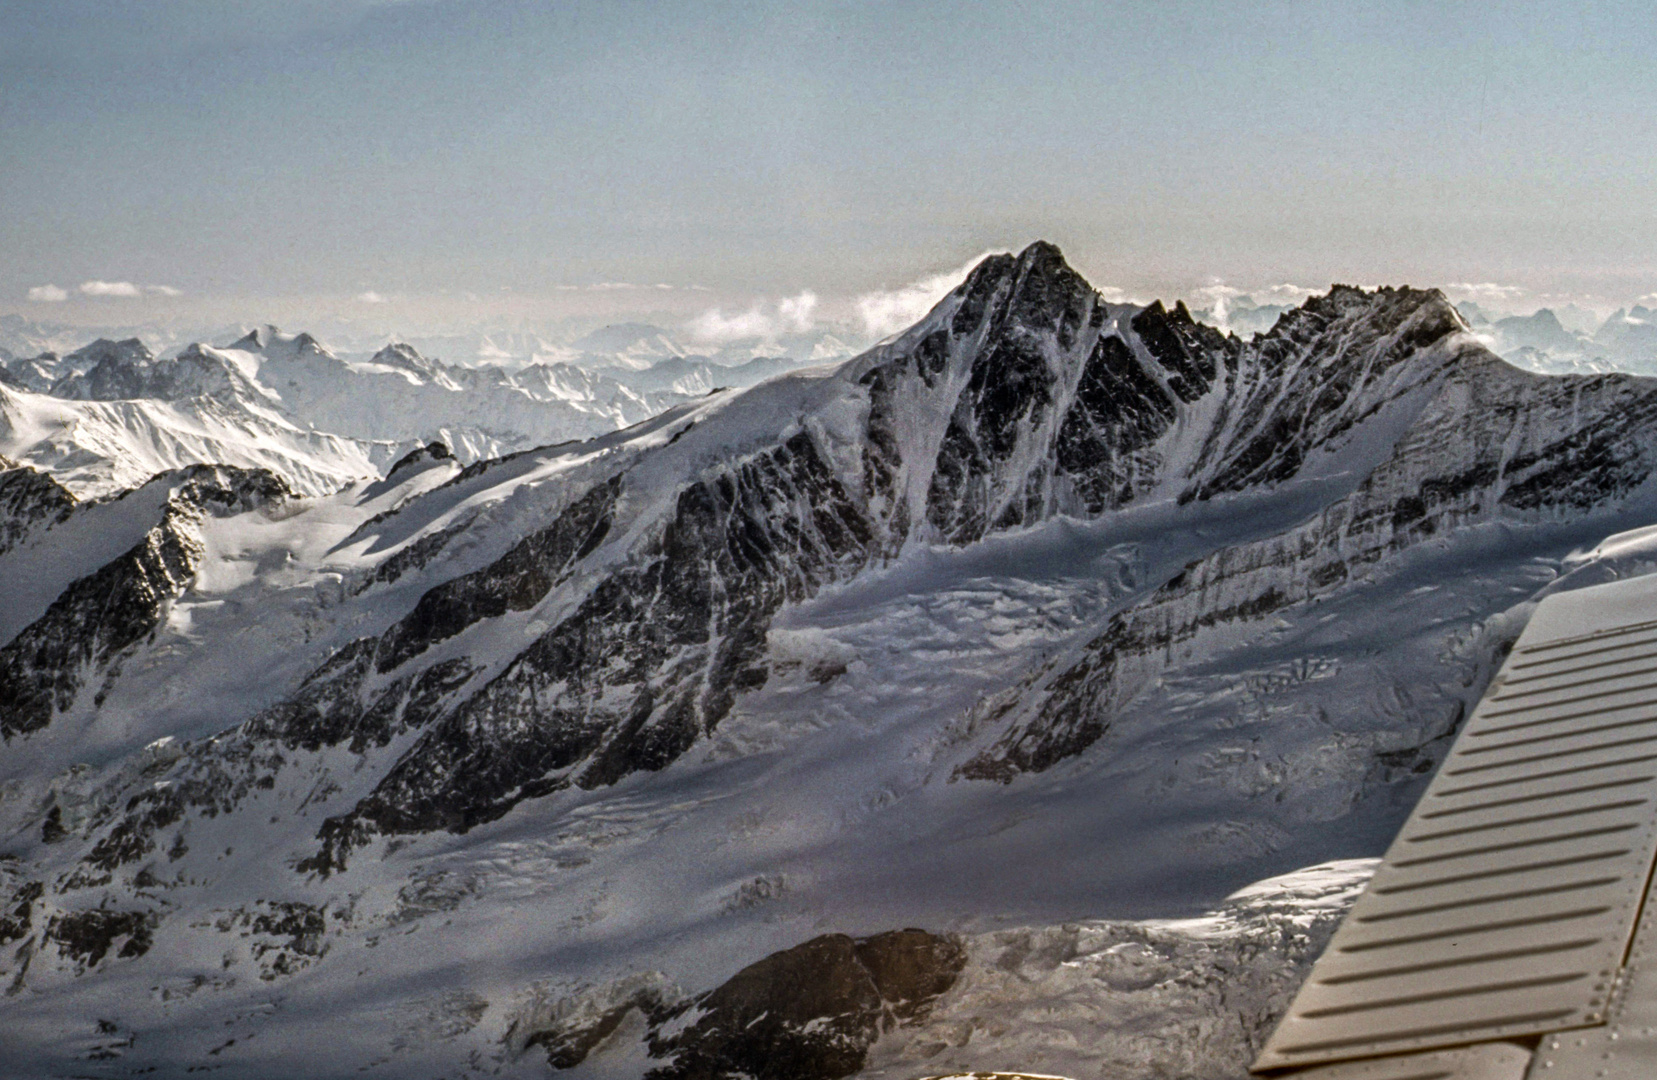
(638, 755)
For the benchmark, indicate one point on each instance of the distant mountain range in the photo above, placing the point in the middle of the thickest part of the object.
(583, 343)
(111, 414)
(1626, 341)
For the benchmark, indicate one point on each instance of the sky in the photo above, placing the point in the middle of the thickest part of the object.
(434, 159)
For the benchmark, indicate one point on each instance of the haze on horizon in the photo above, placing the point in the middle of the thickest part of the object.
(428, 160)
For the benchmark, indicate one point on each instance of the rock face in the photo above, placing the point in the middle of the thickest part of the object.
(98, 618)
(125, 370)
(1490, 444)
(806, 1013)
(731, 648)
(29, 499)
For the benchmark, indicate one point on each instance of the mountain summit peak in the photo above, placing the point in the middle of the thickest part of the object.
(267, 339)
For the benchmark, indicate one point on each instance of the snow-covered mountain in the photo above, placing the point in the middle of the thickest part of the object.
(481, 412)
(634, 346)
(1541, 330)
(102, 447)
(1631, 335)
(1048, 609)
(26, 337)
(287, 404)
(1542, 342)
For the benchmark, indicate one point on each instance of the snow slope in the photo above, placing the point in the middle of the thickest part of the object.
(99, 448)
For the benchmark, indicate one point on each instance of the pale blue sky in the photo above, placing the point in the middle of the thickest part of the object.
(251, 153)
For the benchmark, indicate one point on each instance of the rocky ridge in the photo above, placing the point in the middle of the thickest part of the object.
(97, 619)
(1490, 444)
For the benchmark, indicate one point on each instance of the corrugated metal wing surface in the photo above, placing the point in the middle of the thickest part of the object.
(1505, 906)
(1489, 1061)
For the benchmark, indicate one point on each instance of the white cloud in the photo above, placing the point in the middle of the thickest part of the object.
(126, 290)
(796, 311)
(630, 286)
(110, 288)
(886, 311)
(1487, 290)
(370, 297)
(1217, 299)
(1218, 296)
(763, 321)
(1286, 293)
(1650, 297)
(716, 328)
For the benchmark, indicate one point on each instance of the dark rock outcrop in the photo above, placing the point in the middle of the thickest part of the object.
(29, 499)
(126, 371)
(682, 626)
(98, 618)
(88, 936)
(806, 1013)
(106, 371)
(432, 451)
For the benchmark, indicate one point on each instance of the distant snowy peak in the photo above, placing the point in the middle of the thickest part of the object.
(400, 357)
(420, 456)
(103, 351)
(36, 373)
(828, 348)
(111, 359)
(126, 371)
(269, 341)
(194, 409)
(1541, 330)
(1630, 334)
(693, 376)
(634, 345)
(397, 398)
(399, 354)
